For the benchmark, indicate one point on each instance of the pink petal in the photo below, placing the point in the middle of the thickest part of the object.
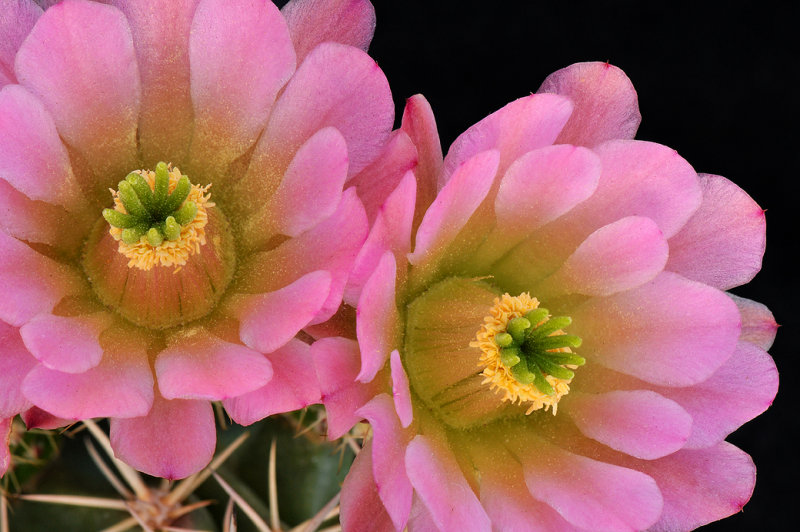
(30, 282)
(390, 231)
(381, 177)
(640, 423)
(174, 440)
(312, 22)
(36, 418)
(400, 390)
(389, 443)
(421, 519)
(701, 486)
(120, 386)
(241, 55)
(310, 191)
(634, 332)
(18, 18)
(521, 126)
(38, 222)
(508, 503)
(80, 61)
(617, 257)
(589, 494)
(454, 205)
(420, 124)
(293, 386)
(740, 390)
(350, 227)
(166, 117)
(5, 434)
(68, 344)
(337, 362)
(337, 86)
(361, 507)
(638, 179)
(15, 363)
(441, 486)
(332, 246)
(642, 179)
(723, 243)
(203, 366)
(33, 160)
(606, 105)
(268, 321)
(542, 185)
(758, 324)
(377, 318)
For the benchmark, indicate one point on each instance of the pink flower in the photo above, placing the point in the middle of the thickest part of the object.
(557, 352)
(188, 282)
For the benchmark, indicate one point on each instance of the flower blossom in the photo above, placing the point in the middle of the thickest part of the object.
(175, 208)
(557, 351)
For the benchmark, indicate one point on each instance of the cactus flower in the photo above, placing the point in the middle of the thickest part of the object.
(557, 351)
(175, 208)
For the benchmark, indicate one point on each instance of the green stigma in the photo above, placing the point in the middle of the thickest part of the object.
(152, 211)
(527, 349)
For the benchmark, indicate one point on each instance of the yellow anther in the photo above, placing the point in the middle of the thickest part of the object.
(494, 335)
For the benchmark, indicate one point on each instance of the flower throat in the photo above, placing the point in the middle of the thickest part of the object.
(164, 255)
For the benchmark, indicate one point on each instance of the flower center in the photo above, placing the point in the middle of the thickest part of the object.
(525, 353)
(168, 255)
(520, 362)
(159, 217)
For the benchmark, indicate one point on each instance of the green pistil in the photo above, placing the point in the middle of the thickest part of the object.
(528, 349)
(153, 213)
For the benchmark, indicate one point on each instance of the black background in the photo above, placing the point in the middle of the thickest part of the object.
(716, 82)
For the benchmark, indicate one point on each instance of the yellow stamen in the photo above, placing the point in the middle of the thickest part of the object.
(143, 254)
(496, 374)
